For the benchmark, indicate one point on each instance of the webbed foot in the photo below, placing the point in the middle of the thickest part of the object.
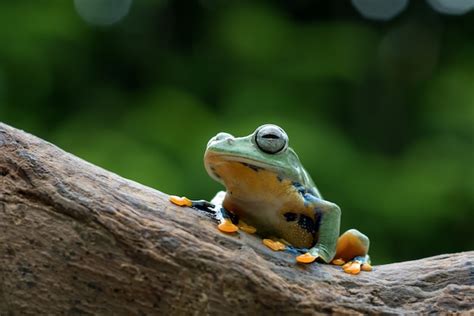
(356, 265)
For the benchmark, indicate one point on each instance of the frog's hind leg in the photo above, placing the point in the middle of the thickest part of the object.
(352, 252)
(351, 244)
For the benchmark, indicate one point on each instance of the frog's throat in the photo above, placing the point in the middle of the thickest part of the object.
(213, 160)
(244, 180)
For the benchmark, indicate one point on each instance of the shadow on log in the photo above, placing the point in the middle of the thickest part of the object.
(76, 239)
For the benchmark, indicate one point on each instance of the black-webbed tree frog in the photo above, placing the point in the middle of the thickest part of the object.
(268, 192)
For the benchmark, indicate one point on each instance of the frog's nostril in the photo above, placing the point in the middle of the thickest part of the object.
(222, 136)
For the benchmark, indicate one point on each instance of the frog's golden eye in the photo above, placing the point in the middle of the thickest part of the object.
(271, 139)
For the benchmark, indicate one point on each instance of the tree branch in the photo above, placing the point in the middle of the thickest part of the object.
(76, 239)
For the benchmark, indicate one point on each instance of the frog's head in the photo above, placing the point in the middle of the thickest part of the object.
(230, 159)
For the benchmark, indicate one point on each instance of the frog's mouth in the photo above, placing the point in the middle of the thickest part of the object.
(239, 175)
(215, 159)
(227, 168)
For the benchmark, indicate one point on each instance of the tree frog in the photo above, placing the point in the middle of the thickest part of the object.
(268, 192)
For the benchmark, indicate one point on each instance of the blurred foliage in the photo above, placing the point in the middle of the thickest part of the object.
(380, 113)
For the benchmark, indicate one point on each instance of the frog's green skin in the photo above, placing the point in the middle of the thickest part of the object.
(268, 189)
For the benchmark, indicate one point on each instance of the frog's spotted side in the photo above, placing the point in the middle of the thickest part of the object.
(268, 192)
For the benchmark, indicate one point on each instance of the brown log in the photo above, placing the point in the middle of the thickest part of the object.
(76, 239)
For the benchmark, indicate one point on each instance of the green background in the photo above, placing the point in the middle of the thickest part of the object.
(381, 113)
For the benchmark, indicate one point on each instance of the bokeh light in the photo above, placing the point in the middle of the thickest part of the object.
(454, 7)
(102, 12)
(380, 9)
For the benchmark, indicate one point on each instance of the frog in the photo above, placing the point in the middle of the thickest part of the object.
(269, 193)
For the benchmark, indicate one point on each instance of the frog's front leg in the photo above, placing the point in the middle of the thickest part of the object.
(229, 222)
(352, 252)
(329, 216)
(225, 218)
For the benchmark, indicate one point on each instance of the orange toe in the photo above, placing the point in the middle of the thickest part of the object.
(227, 227)
(274, 245)
(306, 258)
(366, 267)
(180, 201)
(352, 268)
(247, 228)
(338, 262)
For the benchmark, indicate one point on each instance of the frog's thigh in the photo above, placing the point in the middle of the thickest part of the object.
(352, 244)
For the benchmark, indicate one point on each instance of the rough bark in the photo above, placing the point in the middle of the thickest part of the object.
(76, 239)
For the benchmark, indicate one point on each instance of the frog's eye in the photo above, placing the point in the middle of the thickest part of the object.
(271, 139)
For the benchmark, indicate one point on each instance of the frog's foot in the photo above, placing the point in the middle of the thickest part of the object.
(352, 267)
(246, 228)
(227, 226)
(306, 258)
(357, 264)
(274, 245)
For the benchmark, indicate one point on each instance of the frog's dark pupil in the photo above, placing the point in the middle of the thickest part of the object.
(271, 136)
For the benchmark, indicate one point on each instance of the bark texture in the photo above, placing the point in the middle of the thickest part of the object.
(77, 240)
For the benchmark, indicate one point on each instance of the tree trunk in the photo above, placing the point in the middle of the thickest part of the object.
(76, 239)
